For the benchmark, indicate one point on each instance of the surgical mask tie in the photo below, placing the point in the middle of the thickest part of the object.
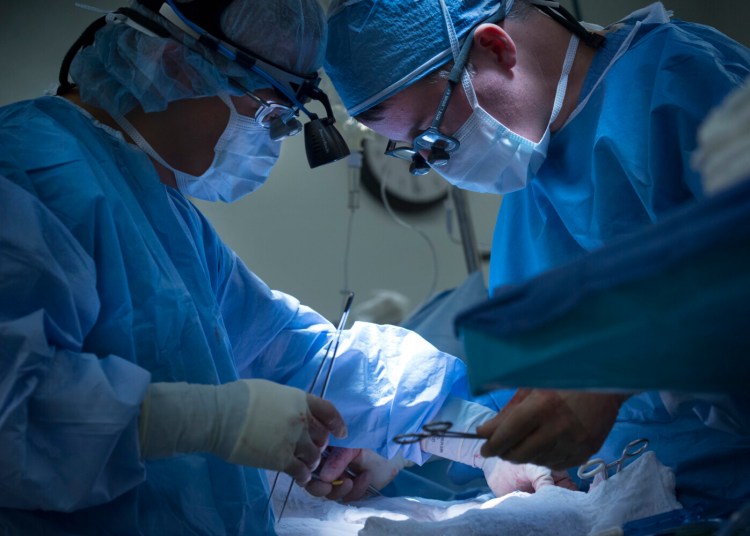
(493, 158)
(243, 157)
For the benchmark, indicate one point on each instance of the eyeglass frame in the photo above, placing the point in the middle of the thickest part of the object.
(287, 116)
(283, 125)
(439, 144)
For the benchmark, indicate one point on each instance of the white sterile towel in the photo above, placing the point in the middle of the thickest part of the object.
(642, 489)
(723, 154)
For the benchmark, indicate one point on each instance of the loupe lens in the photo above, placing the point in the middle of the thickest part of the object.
(438, 156)
(281, 129)
(418, 165)
(404, 151)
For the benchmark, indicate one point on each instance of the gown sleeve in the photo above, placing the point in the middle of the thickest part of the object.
(386, 380)
(68, 419)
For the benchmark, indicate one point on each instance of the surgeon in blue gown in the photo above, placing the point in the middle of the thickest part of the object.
(148, 376)
(588, 131)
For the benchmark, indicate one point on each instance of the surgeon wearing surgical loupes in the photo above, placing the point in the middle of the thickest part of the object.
(148, 374)
(589, 133)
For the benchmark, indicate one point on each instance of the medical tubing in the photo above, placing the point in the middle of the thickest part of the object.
(347, 249)
(421, 233)
(354, 161)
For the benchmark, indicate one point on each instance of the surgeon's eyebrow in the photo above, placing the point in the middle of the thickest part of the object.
(374, 114)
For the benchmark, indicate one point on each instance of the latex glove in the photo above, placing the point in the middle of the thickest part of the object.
(557, 429)
(247, 422)
(723, 153)
(370, 468)
(504, 477)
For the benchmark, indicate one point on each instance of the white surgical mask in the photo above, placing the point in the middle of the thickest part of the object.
(494, 159)
(243, 158)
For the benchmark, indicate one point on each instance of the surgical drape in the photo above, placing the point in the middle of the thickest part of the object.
(621, 163)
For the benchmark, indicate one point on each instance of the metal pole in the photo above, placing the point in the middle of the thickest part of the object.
(577, 10)
(466, 228)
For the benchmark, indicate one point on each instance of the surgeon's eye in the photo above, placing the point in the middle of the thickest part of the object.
(279, 97)
(271, 111)
(397, 149)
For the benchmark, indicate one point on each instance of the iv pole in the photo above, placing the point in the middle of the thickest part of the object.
(466, 228)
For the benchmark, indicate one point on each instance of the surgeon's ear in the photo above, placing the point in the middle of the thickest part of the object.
(492, 40)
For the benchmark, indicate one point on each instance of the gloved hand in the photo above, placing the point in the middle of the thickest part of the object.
(504, 477)
(369, 467)
(558, 429)
(248, 422)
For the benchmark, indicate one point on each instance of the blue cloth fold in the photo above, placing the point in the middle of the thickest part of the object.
(110, 280)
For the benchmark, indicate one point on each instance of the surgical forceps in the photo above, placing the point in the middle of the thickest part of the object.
(434, 429)
(372, 490)
(333, 343)
(597, 466)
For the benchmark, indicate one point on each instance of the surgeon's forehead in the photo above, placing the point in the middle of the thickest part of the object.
(407, 113)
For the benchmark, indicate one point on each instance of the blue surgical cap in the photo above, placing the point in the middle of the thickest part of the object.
(126, 67)
(379, 47)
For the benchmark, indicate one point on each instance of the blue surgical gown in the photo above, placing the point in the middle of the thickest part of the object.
(623, 163)
(110, 280)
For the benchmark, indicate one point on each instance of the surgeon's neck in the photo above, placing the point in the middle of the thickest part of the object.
(165, 175)
(97, 113)
(546, 43)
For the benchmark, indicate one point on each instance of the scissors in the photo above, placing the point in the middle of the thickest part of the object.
(434, 429)
(598, 466)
